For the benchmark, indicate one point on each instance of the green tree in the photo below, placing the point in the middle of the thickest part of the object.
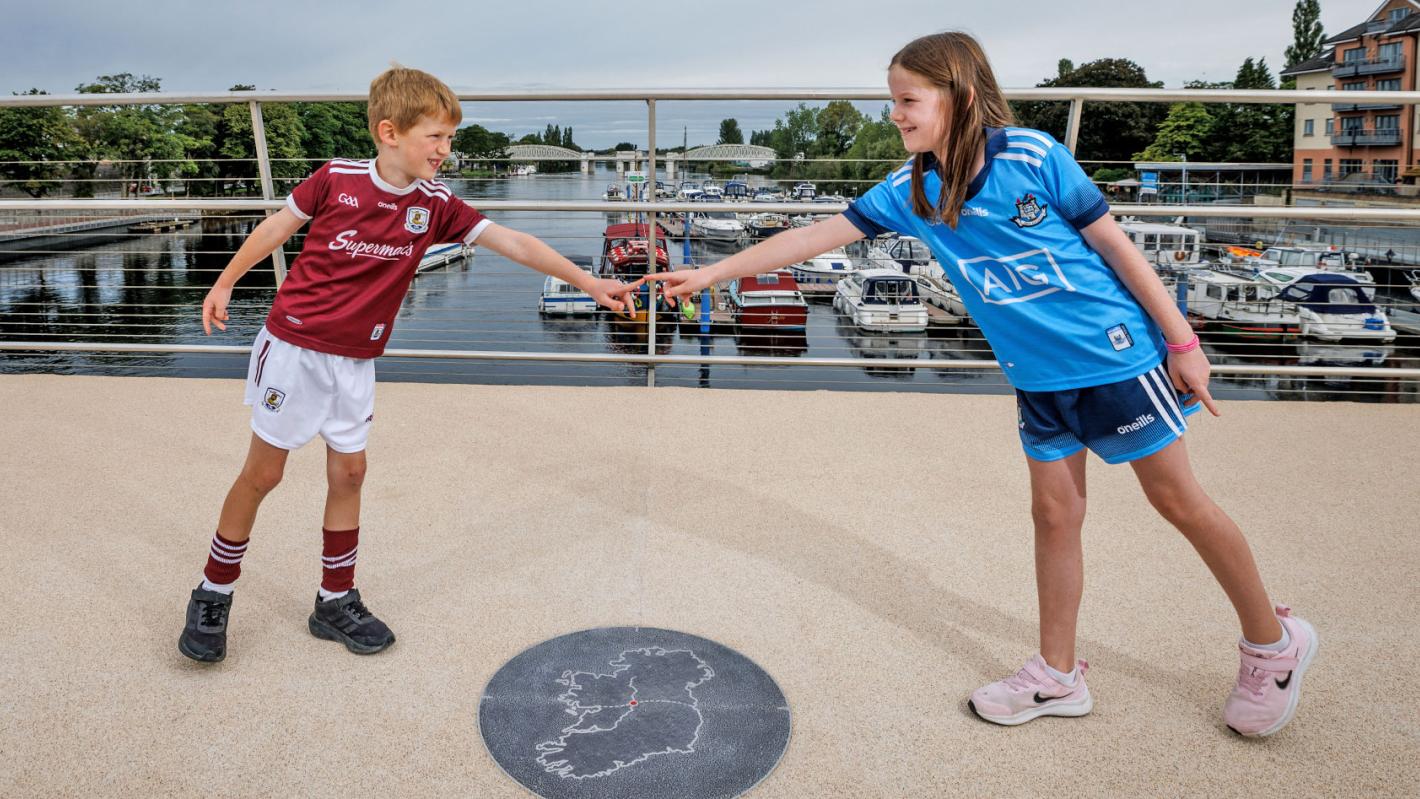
(1187, 130)
(838, 123)
(284, 133)
(480, 143)
(567, 140)
(1307, 35)
(876, 150)
(1108, 131)
(142, 140)
(625, 145)
(334, 130)
(1252, 132)
(730, 132)
(33, 144)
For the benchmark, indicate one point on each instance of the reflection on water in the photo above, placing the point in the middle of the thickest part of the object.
(148, 288)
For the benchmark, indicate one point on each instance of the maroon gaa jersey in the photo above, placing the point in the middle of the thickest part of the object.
(365, 240)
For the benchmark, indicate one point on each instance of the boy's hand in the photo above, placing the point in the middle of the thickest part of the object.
(613, 294)
(1189, 373)
(682, 282)
(214, 308)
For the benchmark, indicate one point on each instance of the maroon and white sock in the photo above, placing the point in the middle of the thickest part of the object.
(338, 562)
(224, 564)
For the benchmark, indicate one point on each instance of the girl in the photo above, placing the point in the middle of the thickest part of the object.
(1098, 353)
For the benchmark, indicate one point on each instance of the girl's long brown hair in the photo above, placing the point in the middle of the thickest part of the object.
(954, 63)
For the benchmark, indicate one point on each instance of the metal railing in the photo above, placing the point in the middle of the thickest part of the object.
(650, 358)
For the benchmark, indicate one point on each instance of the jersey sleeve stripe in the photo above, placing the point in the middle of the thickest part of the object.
(1030, 159)
(1024, 145)
(1040, 137)
(296, 209)
(477, 229)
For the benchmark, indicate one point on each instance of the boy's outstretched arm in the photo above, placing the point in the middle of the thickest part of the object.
(263, 241)
(789, 247)
(533, 253)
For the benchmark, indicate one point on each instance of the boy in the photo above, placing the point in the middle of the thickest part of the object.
(312, 368)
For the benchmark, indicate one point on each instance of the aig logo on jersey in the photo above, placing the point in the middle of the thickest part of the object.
(272, 399)
(1014, 278)
(416, 219)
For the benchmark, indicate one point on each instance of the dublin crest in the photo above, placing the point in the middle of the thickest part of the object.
(1029, 212)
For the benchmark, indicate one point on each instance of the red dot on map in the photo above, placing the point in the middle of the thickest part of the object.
(633, 702)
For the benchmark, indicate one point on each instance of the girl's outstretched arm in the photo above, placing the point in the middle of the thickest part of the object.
(1189, 370)
(789, 247)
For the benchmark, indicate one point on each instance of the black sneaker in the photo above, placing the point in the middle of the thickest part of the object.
(347, 620)
(204, 637)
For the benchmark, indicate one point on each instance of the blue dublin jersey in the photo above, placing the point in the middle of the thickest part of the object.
(1055, 314)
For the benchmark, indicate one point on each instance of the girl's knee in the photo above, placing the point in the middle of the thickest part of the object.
(1063, 516)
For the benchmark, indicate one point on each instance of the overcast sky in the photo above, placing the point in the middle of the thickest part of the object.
(327, 46)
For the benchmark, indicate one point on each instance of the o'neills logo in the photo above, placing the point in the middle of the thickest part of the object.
(385, 252)
(1136, 425)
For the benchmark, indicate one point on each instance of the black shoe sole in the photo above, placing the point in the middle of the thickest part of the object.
(326, 632)
(200, 658)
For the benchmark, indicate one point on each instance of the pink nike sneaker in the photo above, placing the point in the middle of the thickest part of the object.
(1270, 683)
(1030, 693)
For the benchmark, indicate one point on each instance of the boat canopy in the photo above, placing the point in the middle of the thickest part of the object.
(1331, 293)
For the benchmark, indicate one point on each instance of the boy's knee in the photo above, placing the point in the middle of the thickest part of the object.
(349, 476)
(263, 479)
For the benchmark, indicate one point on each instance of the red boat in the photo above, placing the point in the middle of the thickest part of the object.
(626, 256)
(771, 300)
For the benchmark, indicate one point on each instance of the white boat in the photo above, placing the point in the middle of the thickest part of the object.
(1331, 306)
(830, 267)
(1324, 259)
(712, 192)
(736, 191)
(938, 291)
(762, 226)
(440, 254)
(767, 194)
(881, 301)
(562, 298)
(687, 191)
(909, 255)
(524, 170)
(803, 192)
(716, 226)
(614, 192)
(1235, 302)
(1414, 277)
(1164, 246)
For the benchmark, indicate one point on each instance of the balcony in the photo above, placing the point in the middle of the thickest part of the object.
(1343, 108)
(1368, 66)
(1366, 137)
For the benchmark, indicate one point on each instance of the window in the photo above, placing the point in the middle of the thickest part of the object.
(1354, 54)
(1348, 166)
(1388, 85)
(1388, 122)
(1306, 170)
(1353, 124)
(1330, 125)
(1326, 169)
(1388, 52)
(1354, 86)
(1385, 170)
(1308, 127)
(1396, 15)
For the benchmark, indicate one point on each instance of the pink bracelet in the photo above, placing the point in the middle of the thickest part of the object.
(1189, 347)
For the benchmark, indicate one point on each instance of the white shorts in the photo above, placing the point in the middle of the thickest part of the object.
(296, 393)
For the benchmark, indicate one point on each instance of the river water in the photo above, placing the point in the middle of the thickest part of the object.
(148, 288)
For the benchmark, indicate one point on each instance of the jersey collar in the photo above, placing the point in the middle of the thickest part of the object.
(384, 185)
(995, 144)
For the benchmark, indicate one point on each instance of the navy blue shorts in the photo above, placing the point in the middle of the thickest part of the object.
(1119, 422)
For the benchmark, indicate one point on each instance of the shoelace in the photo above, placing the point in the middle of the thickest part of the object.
(357, 609)
(214, 614)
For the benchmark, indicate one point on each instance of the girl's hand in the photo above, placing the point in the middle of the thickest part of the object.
(613, 294)
(683, 282)
(214, 308)
(1189, 373)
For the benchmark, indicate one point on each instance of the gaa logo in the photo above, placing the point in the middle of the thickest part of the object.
(349, 200)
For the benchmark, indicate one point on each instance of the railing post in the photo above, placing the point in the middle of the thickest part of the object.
(650, 187)
(268, 190)
(1072, 127)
